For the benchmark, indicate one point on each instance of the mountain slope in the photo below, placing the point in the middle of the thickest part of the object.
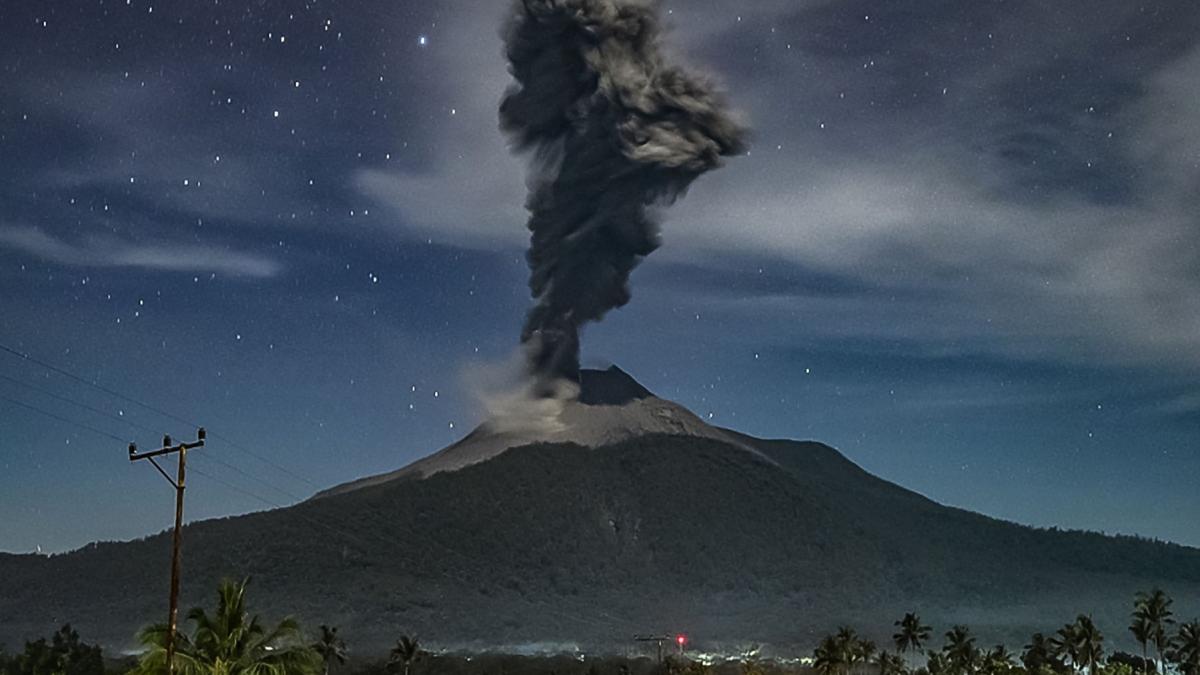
(721, 535)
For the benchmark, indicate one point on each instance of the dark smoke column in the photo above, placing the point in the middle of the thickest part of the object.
(612, 131)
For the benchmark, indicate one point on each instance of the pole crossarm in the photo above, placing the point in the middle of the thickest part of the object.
(134, 455)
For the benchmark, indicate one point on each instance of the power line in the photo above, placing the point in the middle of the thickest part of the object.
(143, 427)
(215, 478)
(64, 419)
(252, 477)
(229, 441)
(227, 484)
(110, 392)
(60, 418)
(234, 444)
(235, 488)
(85, 406)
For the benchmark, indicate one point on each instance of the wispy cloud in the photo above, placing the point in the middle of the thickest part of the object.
(1055, 221)
(1185, 404)
(110, 252)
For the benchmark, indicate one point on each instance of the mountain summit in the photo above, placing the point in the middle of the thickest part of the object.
(611, 407)
(629, 515)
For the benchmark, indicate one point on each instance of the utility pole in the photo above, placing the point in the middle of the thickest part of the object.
(179, 484)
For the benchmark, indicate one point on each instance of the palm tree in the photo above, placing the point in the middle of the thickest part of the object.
(1090, 642)
(935, 663)
(960, 651)
(1142, 631)
(912, 633)
(1185, 648)
(404, 653)
(997, 661)
(1155, 608)
(890, 664)
(862, 651)
(1039, 652)
(330, 647)
(1081, 643)
(827, 657)
(846, 642)
(230, 642)
(1065, 645)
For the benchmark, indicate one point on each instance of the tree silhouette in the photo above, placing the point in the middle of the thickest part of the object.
(847, 647)
(1080, 643)
(406, 651)
(1155, 609)
(936, 664)
(63, 654)
(862, 652)
(1065, 645)
(1185, 648)
(827, 657)
(960, 651)
(912, 634)
(1142, 632)
(890, 664)
(997, 661)
(330, 647)
(1039, 653)
(1091, 642)
(230, 642)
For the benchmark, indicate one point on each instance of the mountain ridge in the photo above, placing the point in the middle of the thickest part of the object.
(574, 544)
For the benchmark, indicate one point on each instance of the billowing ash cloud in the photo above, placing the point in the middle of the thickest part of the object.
(613, 131)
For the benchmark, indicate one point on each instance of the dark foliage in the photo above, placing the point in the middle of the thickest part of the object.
(62, 654)
(1136, 663)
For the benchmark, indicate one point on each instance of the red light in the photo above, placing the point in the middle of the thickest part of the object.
(680, 639)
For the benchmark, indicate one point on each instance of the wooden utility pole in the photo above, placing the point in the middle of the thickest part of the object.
(179, 483)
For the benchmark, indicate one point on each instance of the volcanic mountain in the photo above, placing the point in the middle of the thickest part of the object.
(631, 515)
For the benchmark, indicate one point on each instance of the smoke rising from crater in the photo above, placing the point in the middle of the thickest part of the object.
(612, 131)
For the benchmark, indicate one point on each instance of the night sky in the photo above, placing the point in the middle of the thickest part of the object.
(963, 249)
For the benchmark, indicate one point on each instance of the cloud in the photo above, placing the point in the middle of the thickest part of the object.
(484, 214)
(1022, 187)
(1185, 404)
(109, 252)
(1169, 136)
(1016, 215)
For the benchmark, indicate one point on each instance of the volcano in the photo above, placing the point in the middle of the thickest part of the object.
(632, 515)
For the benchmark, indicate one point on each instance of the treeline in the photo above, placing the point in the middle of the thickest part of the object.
(62, 654)
(232, 641)
(1076, 647)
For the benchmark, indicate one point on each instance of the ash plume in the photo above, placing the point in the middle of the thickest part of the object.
(613, 131)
